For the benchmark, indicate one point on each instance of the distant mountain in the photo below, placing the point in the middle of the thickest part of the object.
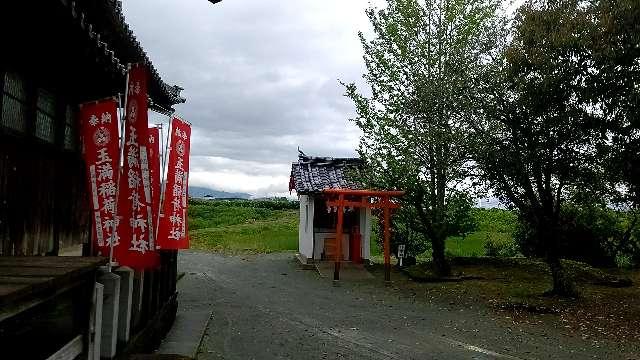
(202, 192)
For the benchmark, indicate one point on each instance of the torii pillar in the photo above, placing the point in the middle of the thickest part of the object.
(338, 198)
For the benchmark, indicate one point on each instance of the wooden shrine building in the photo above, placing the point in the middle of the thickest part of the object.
(335, 205)
(55, 55)
(310, 176)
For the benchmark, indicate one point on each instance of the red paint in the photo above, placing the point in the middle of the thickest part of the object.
(356, 245)
(138, 248)
(154, 172)
(99, 129)
(173, 230)
(383, 201)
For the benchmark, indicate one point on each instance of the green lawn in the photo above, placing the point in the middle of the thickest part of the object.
(496, 225)
(232, 228)
(247, 226)
(473, 244)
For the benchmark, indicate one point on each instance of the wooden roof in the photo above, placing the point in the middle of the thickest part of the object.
(105, 22)
(83, 44)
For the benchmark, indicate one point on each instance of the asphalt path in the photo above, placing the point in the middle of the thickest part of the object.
(266, 307)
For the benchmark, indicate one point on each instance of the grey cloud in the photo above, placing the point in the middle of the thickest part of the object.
(260, 77)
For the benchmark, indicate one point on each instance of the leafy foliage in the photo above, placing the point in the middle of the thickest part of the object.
(593, 234)
(423, 64)
(500, 249)
(544, 121)
(495, 220)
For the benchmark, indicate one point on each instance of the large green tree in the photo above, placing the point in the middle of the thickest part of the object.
(614, 80)
(559, 108)
(425, 61)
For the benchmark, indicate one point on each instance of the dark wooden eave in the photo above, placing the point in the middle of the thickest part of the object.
(104, 24)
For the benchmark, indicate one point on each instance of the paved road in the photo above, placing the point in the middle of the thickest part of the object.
(264, 307)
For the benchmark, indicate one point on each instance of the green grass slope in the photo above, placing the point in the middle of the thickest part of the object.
(234, 227)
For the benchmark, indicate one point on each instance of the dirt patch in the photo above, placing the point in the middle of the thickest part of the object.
(606, 310)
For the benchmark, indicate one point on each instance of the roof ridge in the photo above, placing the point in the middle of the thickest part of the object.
(314, 174)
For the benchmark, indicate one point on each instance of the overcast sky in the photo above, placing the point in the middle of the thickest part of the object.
(260, 78)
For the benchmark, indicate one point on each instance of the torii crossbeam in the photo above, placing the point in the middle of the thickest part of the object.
(374, 199)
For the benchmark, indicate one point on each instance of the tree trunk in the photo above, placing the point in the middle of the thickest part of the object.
(562, 283)
(439, 260)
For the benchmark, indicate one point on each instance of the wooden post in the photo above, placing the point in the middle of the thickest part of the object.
(336, 271)
(384, 202)
(387, 245)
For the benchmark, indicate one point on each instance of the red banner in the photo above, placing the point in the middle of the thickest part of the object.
(136, 231)
(154, 171)
(99, 131)
(172, 233)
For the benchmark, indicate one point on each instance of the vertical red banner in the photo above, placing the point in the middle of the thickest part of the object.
(99, 131)
(172, 233)
(154, 171)
(136, 230)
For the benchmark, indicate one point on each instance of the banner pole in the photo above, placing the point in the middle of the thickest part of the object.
(160, 128)
(123, 121)
(165, 159)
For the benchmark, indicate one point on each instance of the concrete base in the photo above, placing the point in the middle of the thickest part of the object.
(126, 294)
(136, 298)
(305, 263)
(95, 322)
(110, 311)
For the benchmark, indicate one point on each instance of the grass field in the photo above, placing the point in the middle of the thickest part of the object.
(231, 227)
(473, 244)
(247, 226)
(494, 225)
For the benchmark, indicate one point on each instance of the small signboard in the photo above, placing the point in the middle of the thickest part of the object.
(401, 253)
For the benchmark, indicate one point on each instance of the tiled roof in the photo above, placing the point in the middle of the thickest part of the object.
(314, 174)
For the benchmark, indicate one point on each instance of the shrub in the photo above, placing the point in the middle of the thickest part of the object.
(590, 234)
(499, 248)
(491, 248)
(495, 220)
(402, 232)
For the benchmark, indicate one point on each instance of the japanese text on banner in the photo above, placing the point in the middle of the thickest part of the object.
(138, 246)
(172, 233)
(154, 171)
(99, 131)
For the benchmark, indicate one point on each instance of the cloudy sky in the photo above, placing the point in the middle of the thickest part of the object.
(260, 78)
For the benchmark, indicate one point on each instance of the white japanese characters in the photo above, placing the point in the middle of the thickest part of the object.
(177, 221)
(139, 190)
(103, 183)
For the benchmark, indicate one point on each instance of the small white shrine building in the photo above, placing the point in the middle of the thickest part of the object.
(310, 176)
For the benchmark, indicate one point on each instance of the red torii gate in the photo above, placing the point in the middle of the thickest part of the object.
(337, 198)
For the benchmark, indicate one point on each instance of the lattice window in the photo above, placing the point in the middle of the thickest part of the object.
(45, 116)
(70, 129)
(14, 103)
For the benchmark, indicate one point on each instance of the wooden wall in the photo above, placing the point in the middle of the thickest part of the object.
(43, 203)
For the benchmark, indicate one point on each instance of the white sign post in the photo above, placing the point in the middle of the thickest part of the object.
(401, 253)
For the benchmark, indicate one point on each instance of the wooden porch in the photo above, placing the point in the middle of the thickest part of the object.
(45, 305)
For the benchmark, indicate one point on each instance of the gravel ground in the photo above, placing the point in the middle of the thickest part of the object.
(265, 307)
